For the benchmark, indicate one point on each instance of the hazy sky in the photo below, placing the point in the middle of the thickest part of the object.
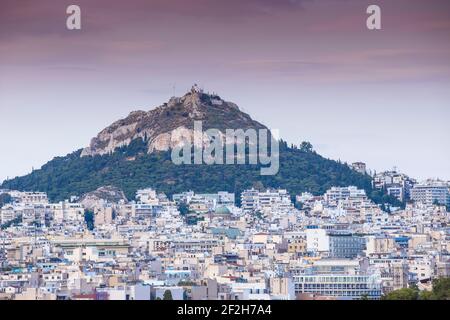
(309, 68)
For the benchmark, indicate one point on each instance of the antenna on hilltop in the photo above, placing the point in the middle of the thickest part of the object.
(173, 89)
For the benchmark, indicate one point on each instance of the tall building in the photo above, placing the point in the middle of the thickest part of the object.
(342, 279)
(344, 193)
(346, 245)
(271, 199)
(396, 191)
(431, 192)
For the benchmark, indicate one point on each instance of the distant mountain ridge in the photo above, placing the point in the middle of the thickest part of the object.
(134, 153)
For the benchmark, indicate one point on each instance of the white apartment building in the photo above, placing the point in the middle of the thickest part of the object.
(29, 197)
(29, 213)
(205, 201)
(430, 192)
(8, 213)
(249, 291)
(341, 286)
(396, 184)
(343, 193)
(317, 240)
(249, 200)
(147, 196)
(379, 245)
(269, 200)
(66, 211)
(422, 267)
(340, 278)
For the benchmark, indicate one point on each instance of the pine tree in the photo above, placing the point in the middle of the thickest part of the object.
(167, 295)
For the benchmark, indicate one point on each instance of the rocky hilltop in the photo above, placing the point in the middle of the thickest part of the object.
(103, 195)
(166, 126)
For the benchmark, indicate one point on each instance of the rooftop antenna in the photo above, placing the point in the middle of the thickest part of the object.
(173, 88)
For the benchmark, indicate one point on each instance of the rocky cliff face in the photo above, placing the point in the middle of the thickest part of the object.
(101, 196)
(168, 125)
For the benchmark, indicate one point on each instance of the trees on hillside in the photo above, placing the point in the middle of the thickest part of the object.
(89, 219)
(402, 294)
(306, 146)
(167, 295)
(440, 291)
(5, 198)
(131, 168)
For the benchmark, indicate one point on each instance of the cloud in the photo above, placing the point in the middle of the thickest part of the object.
(356, 66)
(315, 40)
(48, 16)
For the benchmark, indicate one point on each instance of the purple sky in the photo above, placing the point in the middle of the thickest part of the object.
(309, 68)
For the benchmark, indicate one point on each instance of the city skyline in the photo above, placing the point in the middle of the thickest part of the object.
(228, 152)
(308, 68)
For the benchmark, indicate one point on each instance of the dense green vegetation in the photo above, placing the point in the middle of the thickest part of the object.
(13, 222)
(130, 168)
(167, 295)
(402, 294)
(89, 219)
(5, 198)
(183, 209)
(441, 291)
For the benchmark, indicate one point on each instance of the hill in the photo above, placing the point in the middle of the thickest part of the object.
(134, 153)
